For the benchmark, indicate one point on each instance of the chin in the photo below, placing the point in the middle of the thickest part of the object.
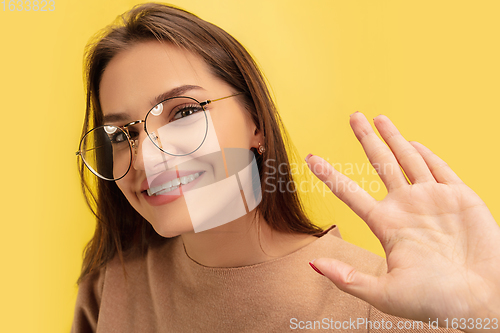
(169, 227)
(169, 220)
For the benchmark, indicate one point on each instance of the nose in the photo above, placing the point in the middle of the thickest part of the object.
(147, 155)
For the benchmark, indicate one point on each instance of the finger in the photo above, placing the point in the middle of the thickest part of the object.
(408, 157)
(378, 153)
(439, 168)
(350, 280)
(344, 188)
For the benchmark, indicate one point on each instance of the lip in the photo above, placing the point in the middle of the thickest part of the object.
(162, 199)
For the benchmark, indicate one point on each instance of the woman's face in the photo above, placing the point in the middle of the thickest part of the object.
(130, 84)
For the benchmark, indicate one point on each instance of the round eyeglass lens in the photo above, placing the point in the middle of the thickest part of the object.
(178, 126)
(107, 152)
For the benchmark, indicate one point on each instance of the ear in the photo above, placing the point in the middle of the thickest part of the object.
(257, 138)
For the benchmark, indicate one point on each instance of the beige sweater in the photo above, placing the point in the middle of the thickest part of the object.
(166, 291)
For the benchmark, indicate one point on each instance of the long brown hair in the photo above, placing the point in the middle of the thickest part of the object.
(119, 227)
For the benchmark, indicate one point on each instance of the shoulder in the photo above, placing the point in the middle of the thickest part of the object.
(331, 245)
(88, 302)
(112, 282)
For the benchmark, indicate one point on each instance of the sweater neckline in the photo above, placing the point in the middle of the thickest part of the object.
(193, 264)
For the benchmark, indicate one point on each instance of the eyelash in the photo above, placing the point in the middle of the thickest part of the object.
(182, 108)
(114, 137)
(197, 108)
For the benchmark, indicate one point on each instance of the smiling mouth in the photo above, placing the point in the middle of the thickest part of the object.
(173, 184)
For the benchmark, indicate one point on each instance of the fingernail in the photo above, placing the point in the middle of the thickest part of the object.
(316, 269)
(353, 113)
(308, 157)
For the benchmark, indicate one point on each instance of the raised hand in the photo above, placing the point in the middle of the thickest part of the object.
(441, 241)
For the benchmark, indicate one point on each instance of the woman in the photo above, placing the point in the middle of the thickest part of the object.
(174, 105)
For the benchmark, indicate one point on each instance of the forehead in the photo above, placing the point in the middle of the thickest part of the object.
(134, 77)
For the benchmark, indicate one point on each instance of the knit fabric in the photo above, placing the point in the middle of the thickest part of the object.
(166, 291)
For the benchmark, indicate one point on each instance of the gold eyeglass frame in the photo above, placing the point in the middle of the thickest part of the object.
(134, 143)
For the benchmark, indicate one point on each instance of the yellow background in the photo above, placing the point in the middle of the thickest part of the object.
(431, 66)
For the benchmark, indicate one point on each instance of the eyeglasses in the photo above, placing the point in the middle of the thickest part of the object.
(177, 126)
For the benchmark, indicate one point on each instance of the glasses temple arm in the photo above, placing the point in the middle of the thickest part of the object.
(208, 101)
(81, 151)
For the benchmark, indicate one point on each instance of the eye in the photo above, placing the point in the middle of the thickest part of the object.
(186, 110)
(118, 137)
(115, 134)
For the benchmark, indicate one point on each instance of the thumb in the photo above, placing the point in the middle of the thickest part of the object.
(351, 281)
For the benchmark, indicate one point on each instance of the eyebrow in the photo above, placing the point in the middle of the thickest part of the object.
(178, 91)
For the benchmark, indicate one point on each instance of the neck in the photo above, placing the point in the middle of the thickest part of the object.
(246, 241)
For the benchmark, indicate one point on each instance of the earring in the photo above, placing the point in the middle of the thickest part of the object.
(261, 150)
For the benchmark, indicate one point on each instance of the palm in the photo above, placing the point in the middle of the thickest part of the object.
(427, 228)
(439, 237)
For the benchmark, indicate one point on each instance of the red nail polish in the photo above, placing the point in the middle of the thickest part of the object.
(317, 270)
(308, 157)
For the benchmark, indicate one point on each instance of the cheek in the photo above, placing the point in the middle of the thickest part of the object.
(213, 164)
(125, 187)
(232, 129)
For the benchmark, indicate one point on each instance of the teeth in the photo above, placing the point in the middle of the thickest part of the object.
(173, 184)
(167, 190)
